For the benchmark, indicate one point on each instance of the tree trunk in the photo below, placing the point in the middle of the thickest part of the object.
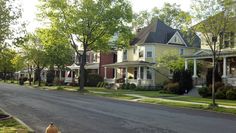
(39, 76)
(213, 82)
(82, 72)
(82, 69)
(4, 74)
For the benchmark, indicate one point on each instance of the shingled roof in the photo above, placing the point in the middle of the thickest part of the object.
(158, 32)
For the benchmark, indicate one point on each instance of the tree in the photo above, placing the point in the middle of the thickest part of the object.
(215, 17)
(58, 53)
(172, 61)
(170, 14)
(34, 53)
(6, 65)
(9, 14)
(91, 23)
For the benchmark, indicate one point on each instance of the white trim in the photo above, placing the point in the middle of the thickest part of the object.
(201, 51)
(178, 35)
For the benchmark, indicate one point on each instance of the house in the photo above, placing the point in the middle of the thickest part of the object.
(226, 65)
(138, 63)
(93, 65)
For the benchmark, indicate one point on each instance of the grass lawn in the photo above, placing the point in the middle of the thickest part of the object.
(189, 105)
(11, 126)
(203, 100)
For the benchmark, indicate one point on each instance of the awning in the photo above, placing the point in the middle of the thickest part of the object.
(87, 66)
(129, 64)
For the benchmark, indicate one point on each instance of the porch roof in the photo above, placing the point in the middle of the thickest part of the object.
(128, 64)
(208, 54)
(87, 66)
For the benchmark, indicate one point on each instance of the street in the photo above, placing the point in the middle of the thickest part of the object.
(76, 113)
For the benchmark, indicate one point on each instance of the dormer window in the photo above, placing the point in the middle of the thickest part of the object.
(125, 55)
(140, 54)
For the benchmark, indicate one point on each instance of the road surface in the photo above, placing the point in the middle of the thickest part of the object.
(76, 113)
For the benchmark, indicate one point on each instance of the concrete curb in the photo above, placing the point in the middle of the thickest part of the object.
(30, 130)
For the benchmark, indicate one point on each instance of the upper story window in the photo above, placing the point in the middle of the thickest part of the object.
(140, 53)
(228, 40)
(125, 55)
(181, 51)
(149, 54)
(134, 50)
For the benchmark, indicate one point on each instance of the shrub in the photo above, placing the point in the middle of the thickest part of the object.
(132, 86)
(93, 80)
(231, 94)
(184, 79)
(220, 95)
(173, 88)
(204, 92)
(185, 82)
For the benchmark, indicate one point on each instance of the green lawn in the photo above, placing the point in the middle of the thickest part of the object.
(11, 126)
(203, 100)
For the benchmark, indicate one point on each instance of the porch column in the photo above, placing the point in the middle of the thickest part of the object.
(105, 72)
(224, 68)
(194, 68)
(72, 76)
(126, 75)
(145, 73)
(186, 64)
(139, 75)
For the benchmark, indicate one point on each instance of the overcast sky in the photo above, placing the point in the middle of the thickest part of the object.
(30, 10)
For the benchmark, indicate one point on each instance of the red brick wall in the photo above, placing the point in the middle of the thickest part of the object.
(107, 58)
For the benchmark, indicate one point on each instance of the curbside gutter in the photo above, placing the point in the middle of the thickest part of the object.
(30, 130)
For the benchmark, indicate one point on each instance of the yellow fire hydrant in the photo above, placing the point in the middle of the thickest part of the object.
(51, 129)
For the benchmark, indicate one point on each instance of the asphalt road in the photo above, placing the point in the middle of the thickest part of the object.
(76, 113)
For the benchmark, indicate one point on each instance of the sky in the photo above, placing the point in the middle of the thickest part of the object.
(30, 9)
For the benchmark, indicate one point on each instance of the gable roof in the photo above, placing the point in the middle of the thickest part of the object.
(156, 32)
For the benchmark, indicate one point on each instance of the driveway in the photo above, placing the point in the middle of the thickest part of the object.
(76, 113)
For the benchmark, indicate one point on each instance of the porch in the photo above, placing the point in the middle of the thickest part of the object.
(139, 73)
(226, 65)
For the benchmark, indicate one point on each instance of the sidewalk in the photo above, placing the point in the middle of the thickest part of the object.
(175, 101)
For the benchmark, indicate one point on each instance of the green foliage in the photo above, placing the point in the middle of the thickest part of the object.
(172, 61)
(220, 95)
(9, 13)
(204, 92)
(231, 94)
(6, 62)
(172, 88)
(170, 14)
(60, 88)
(91, 23)
(56, 48)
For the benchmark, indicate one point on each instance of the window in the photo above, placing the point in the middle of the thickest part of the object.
(175, 39)
(149, 73)
(134, 50)
(149, 54)
(125, 55)
(181, 51)
(140, 54)
(228, 38)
